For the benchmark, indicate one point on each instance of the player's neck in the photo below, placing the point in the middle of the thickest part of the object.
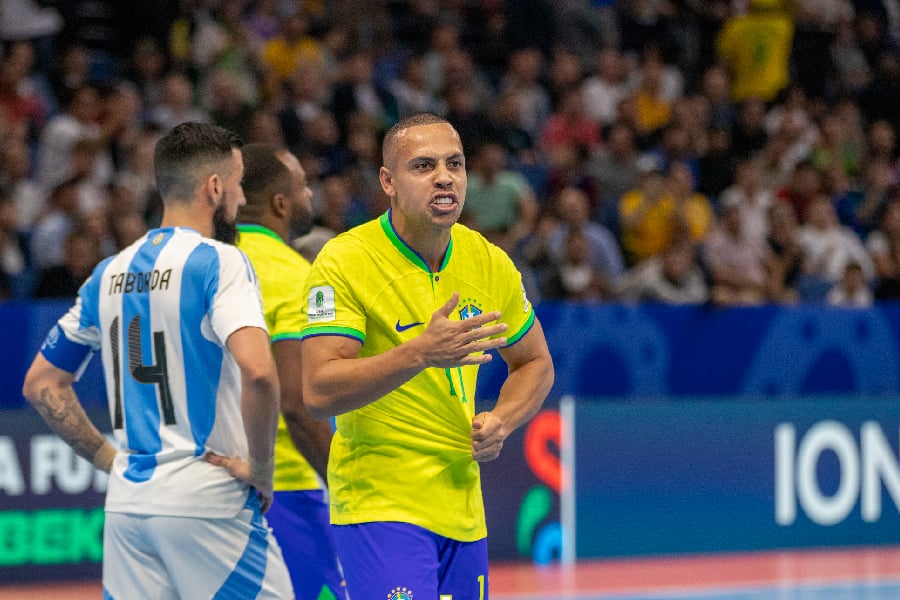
(178, 215)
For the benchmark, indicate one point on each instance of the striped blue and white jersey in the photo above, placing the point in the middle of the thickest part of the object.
(160, 313)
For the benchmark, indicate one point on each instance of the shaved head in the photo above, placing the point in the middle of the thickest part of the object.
(398, 131)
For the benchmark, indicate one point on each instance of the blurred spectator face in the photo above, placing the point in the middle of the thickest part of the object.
(882, 138)
(444, 37)
(178, 91)
(8, 220)
(85, 105)
(147, 60)
(127, 229)
(323, 129)
(82, 253)
(677, 261)
(16, 161)
(264, 128)
(573, 206)
(853, 280)
(748, 174)
(719, 140)
(752, 114)
(716, 85)
(620, 141)
(577, 251)
(572, 103)
(65, 197)
(294, 28)
(565, 70)
(782, 221)
(653, 183)
(458, 67)
(610, 65)
(890, 220)
(75, 59)
(821, 214)
(731, 219)
(225, 90)
(526, 64)
(491, 158)
(360, 68)
(680, 178)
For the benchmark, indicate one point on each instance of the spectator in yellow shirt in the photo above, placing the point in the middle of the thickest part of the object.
(756, 48)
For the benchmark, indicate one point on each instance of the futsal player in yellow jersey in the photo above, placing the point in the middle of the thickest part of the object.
(278, 202)
(400, 313)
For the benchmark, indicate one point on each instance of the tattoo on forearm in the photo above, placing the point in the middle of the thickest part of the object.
(65, 415)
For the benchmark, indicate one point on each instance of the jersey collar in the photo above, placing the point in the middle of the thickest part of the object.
(405, 249)
(254, 228)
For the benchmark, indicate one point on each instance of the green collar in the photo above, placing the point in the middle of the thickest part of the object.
(405, 249)
(253, 228)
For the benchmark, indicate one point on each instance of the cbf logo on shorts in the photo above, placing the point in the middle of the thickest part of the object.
(469, 308)
(400, 594)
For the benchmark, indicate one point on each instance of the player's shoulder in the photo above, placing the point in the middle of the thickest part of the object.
(468, 240)
(361, 239)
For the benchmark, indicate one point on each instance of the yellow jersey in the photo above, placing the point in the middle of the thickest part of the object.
(281, 271)
(407, 457)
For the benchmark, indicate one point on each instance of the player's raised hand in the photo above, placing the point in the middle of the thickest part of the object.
(454, 343)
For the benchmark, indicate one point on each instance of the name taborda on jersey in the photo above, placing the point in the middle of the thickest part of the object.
(129, 282)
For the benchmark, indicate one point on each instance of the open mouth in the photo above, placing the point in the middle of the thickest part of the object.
(444, 202)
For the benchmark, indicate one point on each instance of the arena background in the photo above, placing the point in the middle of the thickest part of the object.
(670, 431)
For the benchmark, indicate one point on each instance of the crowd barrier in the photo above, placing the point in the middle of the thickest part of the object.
(668, 430)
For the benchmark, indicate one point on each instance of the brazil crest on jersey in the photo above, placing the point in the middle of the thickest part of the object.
(282, 272)
(407, 457)
(161, 312)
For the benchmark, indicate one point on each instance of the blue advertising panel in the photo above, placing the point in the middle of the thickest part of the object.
(51, 503)
(719, 475)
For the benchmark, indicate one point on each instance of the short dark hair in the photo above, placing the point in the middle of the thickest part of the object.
(182, 157)
(264, 173)
(414, 120)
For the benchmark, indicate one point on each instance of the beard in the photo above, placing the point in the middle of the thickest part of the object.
(301, 223)
(223, 229)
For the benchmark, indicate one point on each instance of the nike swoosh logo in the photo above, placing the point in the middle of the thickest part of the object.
(401, 328)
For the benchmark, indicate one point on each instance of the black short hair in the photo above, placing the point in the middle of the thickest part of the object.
(264, 173)
(183, 156)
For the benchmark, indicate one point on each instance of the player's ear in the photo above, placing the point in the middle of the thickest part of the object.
(281, 205)
(213, 187)
(387, 181)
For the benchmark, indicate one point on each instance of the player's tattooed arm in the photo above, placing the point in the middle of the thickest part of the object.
(50, 391)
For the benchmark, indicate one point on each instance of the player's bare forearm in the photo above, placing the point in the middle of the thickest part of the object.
(60, 408)
(250, 347)
(312, 438)
(529, 381)
(336, 381)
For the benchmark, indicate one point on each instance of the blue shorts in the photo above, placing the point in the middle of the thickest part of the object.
(301, 525)
(395, 561)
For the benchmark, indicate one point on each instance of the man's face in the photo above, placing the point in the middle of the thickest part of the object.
(299, 195)
(425, 177)
(225, 217)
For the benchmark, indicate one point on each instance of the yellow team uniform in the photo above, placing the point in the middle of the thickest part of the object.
(407, 457)
(658, 227)
(757, 47)
(281, 271)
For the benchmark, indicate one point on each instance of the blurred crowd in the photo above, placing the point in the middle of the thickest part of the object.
(729, 151)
